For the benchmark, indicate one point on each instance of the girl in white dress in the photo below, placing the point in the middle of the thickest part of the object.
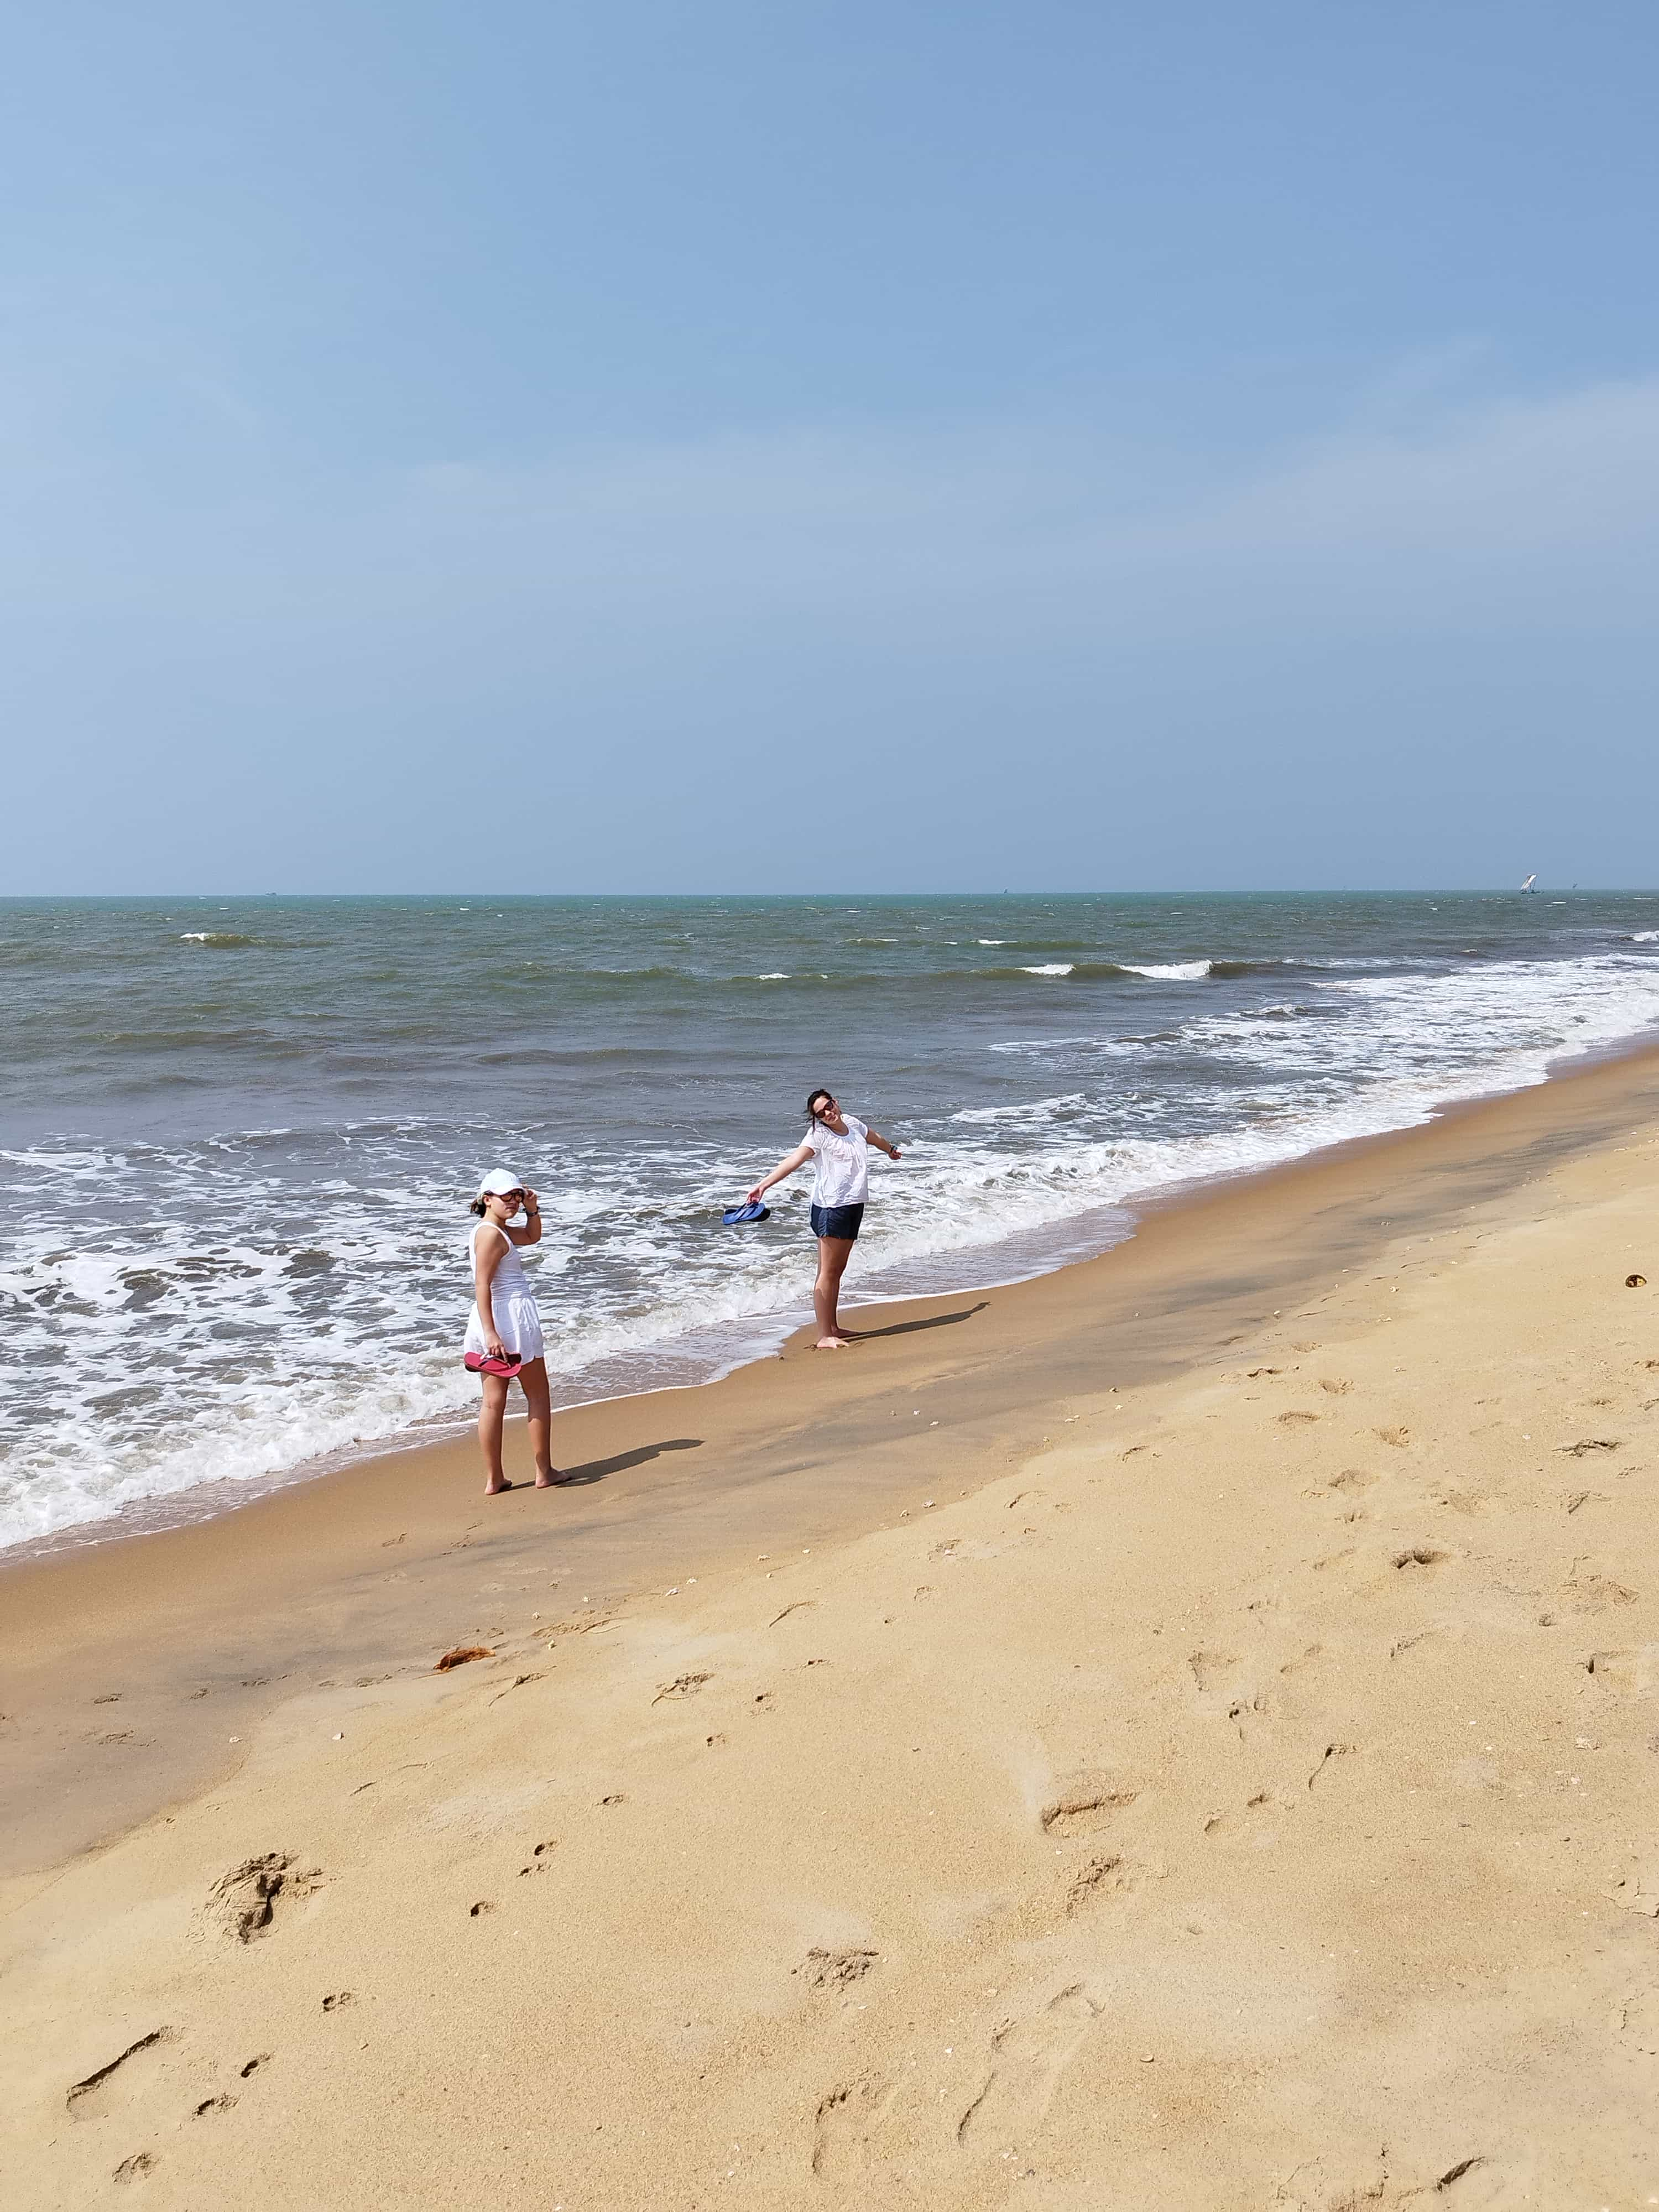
(835, 1144)
(504, 1323)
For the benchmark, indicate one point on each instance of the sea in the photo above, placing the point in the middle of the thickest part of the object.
(238, 1136)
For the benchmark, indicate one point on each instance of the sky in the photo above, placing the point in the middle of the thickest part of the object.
(783, 446)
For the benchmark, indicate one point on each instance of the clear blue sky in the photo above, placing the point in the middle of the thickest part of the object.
(788, 447)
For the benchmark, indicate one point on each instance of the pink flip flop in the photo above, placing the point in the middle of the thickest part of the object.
(480, 1362)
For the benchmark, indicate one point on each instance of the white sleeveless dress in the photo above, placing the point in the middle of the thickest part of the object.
(511, 1297)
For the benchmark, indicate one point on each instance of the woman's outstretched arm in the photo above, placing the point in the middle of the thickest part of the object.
(871, 1137)
(786, 1166)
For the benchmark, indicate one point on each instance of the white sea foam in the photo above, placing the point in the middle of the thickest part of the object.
(1177, 971)
(1053, 968)
(177, 1314)
(1027, 1114)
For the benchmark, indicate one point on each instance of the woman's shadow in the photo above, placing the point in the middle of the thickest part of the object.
(910, 1327)
(595, 1470)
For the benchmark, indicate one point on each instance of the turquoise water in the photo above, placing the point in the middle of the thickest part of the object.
(237, 1136)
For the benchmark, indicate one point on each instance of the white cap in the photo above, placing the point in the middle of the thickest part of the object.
(498, 1183)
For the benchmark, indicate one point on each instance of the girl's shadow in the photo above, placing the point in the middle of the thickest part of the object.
(595, 1470)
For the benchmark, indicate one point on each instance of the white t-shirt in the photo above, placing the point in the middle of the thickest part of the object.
(840, 1170)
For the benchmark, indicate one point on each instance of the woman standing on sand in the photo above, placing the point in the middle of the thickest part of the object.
(835, 1141)
(505, 1325)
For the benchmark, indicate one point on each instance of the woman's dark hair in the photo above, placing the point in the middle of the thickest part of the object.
(822, 1090)
(477, 1206)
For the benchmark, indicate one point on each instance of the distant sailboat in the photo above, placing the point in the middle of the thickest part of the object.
(1531, 883)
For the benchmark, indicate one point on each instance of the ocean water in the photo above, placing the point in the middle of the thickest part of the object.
(238, 1136)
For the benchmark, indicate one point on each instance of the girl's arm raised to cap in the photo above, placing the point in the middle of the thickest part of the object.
(532, 1231)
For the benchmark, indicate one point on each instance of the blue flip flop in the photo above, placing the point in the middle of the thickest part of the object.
(752, 1211)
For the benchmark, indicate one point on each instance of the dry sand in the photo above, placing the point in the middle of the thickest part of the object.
(1189, 1742)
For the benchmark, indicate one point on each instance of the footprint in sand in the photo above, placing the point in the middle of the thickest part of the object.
(683, 1685)
(1221, 1690)
(209, 2106)
(339, 1997)
(135, 2167)
(1027, 2057)
(1425, 1641)
(1345, 1493)
(1251, 1824)
(1332, 1751)
(1109, 1874)
(1085, 1805)
(245, 1901)
(1339, 1566)
(1468, 1502)
(1323, 2185)
(1252, 1711)
(1584, 1592)
(835, 1970)
(1210, 1670)
(846, 2124)
(253, 2065)
(1467, 2184)
(1633, 1672)
(115, 2085)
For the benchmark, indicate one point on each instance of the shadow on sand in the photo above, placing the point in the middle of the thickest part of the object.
(910, 1327)
(595, 1470)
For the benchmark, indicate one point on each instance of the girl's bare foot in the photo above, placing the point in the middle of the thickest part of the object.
(494, 1489)
(832, 1344)
(551, 1479)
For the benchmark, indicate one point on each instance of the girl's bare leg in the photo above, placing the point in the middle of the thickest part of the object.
(533, 1376)
(834, 1253)
(489, 1432)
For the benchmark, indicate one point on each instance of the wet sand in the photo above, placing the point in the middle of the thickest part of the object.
(1072, 1807)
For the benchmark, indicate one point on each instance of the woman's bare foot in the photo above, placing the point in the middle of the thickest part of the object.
(833, 1343)
(551, 1480)
(496, 1489)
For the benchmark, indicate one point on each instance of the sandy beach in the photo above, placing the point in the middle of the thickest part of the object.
(1177, 1733)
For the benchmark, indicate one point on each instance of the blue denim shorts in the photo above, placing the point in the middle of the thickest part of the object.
(836, 1221)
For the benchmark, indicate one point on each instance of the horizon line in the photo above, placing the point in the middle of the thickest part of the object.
(1256, 890)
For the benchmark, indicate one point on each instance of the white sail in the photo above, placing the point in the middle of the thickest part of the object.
(1531, 883)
